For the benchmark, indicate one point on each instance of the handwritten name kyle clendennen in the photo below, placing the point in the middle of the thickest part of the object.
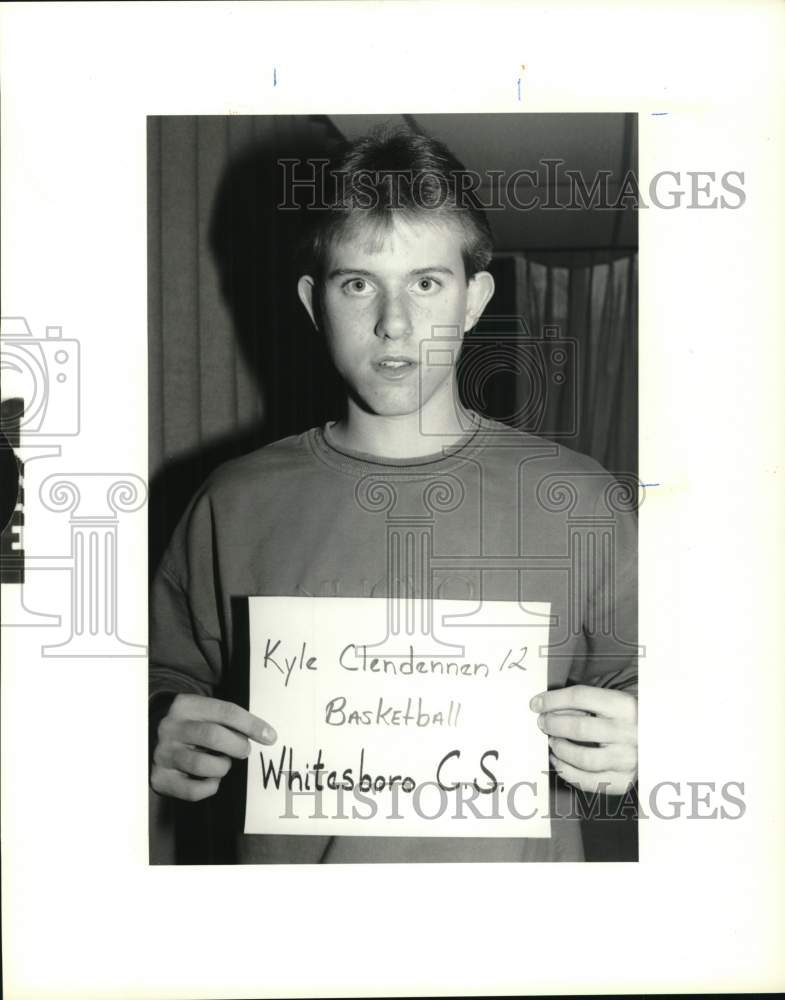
(356, 658)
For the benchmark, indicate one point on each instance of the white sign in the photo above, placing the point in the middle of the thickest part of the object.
(384, 731)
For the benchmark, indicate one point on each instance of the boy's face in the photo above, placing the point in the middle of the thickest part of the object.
(378, 304)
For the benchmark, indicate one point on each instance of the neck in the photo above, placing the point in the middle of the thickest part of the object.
(408, 435)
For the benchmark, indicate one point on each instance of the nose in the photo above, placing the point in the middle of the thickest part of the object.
(394, 322)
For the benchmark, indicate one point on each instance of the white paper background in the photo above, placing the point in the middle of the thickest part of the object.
(83, 914)
(310, 700)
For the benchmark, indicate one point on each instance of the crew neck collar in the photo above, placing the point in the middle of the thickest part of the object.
(351, 460)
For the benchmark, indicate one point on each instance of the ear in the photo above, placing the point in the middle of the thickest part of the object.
(306, 290)
(480, 290)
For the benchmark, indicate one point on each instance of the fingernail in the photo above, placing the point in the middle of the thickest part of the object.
(541, 722)
(270, 734)
(536, 703)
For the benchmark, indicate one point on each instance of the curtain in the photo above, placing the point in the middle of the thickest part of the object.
(235, 364)
(233, 360)
(589, 302)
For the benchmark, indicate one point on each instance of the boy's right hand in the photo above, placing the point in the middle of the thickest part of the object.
(197, 739)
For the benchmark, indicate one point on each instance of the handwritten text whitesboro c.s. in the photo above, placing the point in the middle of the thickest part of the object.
(365, 701)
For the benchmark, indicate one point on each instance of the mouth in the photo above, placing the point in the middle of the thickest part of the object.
(395, 367)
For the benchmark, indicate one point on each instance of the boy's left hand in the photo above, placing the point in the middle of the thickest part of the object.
(591, 715)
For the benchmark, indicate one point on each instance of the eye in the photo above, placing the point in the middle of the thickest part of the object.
(356, 286)
(427, 286)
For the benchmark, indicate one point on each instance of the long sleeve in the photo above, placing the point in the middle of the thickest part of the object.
(184, 658)
(186, 649)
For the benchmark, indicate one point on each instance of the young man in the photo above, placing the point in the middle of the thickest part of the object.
(391, 266)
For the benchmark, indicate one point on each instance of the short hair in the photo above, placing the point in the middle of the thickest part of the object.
(396, 172)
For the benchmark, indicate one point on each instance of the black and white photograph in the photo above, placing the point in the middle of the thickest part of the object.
(386, 375)
(391, 557)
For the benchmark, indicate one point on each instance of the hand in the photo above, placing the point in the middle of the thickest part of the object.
(591, 715)
(197, 740)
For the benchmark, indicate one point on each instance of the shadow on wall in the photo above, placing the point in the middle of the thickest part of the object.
(253, 246)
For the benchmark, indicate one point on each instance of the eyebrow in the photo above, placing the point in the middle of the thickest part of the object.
(339, 272)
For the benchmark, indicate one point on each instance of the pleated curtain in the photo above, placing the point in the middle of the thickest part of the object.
(233, 361)
(588, 300)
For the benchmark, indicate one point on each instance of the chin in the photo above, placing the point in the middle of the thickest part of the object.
(381, 409)
(391, 405)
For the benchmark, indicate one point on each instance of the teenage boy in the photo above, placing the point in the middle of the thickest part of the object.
(388, 265)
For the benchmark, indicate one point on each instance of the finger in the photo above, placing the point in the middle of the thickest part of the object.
(587, 728)
(606, 782)
(196, 763)
(200, 709)
(614, 757)
(167, 781)
(600, 701)
(189, 761)
(210, 736)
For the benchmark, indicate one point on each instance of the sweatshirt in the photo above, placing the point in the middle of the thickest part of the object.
(506, 516)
